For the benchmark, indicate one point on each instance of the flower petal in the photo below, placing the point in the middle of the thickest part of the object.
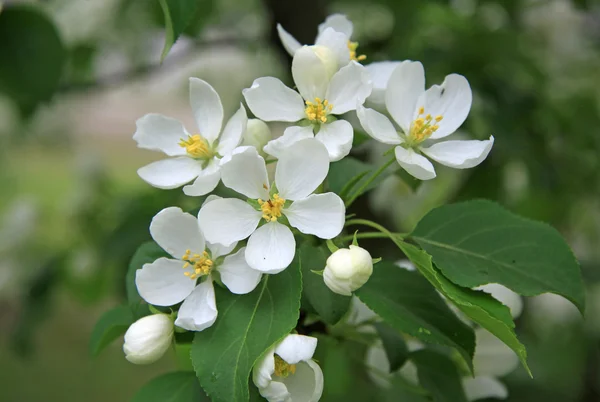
(289, 43)
(233, 131)
(415, 164)
(482, 387)
(378, 126)
(176, 232)
(310, 73)
(199, 310)
(296, 348)
(218, 250)
(321, 215)
(290, 136)
(244, 171)
(170, 173)
(380, 73)
(301, 169)
(163, 282)
(207, 108)
(460, 154)
(337, 138)
(160, 133)
(206, 181)
(350, 86)
(270, 100)
(452, 100)
(306, 384)
(237, 275)
(275, 391)
(271, 248)
(505, 296)
(405, 85)
(228, 220)
(339, 23)
(492, 356)
(337, 42)
(263, 369)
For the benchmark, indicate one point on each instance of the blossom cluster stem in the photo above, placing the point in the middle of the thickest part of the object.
(367, 182)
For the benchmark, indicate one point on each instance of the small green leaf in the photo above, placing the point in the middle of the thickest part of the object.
(248, 325)
(439, 375)
(180, 386)
(408, 303)
(178, 15)
(109, 327)
(145, 254)
(393, 344)
(478, 242)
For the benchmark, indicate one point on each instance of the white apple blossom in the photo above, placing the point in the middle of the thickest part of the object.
(271, 247)
(192, 156)
(348, 269)
(188, 275)
(257, 135)
(147, 339)
(287, 372)
(424, 116)
(323, 93)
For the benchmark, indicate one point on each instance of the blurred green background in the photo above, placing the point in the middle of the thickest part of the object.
(76, 74)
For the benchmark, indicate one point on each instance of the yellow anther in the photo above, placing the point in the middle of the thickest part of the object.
(423, 126)
(421, 110)
(352, 49)
(201, 264)
(197, 147)
(439, 118)
(317, 111)
(282, 368)
(271, 209)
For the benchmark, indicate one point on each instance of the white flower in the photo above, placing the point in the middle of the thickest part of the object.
(321, 96)
(193, 156)
(505, 296)
(188, 276)
(380, 73)
(257, 135)
(271, 247)
(348, 269)
(148, 339)
(287, 372)
(425, 115)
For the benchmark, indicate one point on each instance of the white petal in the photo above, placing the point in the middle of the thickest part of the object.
(228, 220)
(492, 356)
(339, 23)
(233, 131)
(264, 369)
(296, 348)
(206, 181)
(484, 387)
(337, 138)
(378, 126)
(405, 85)
(237, 275)
(270, 100)
(337, 42)
(163, 282)
(301, 169)
(199, 310)
(207, 108)
(452, 100)
(275, 391)
(506, 296)
(310, 73)
(306, 384)
(217, 250)
(244, 171)
(271, 248)
(415, 164)
(460, 154)
(321, 215)
(350, 86)
(160, 133)
(290, 136)
(176, 231)
(288, 41)
(170, 173)
(380, 73)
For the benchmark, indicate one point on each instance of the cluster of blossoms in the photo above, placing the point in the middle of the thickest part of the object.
(233, 242)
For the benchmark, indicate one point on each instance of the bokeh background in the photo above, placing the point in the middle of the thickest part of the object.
(76, 74)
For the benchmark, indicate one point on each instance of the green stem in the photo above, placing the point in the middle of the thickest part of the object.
(395, 237)
(370, 235)
(367, 182)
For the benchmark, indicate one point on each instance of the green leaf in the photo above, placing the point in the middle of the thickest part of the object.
(32, 53)
(349, 173)
(477, 305)
(180, 386)
(109, 327)
(404, 391)
(330, 306)
(145, 254)
(479, 242)
(439, 375)
(248, 325)
(408, 303)
(393, 344)
(178, 15)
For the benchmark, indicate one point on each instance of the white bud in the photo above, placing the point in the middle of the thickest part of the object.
(257, 135)
(148, 339)
(348, 269)
(324, 55)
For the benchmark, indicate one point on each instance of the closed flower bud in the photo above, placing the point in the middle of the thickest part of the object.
(148, 339)
(348, 269)
(257, 135)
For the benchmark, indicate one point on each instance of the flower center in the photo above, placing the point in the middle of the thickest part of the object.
(197, 147)
(352, 48)
(282, 368)
(201, 263)
(317, 111)
(423, 126)
(271, 209)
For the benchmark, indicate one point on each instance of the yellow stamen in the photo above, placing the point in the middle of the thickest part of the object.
(271, 209)
(423, 126)
(201, 264)
(282, 368)
(352, 48)
(317, 111)
(197, 147)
